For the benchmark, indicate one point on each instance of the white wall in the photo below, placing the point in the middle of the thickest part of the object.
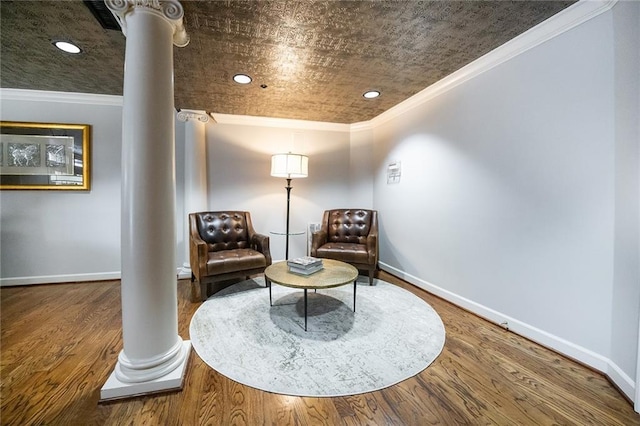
(239, 165)
(361, 159)
(508, 196)
(61, 236)
(626, 272)
(54, 236)
(182, 244)
(46, 234)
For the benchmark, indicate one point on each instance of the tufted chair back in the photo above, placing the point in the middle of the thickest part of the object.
(348, 226)
(224, 230)
(348, 235)
(222, 246)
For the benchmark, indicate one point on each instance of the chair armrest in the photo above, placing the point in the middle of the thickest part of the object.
(197, 251)
(372, 248)
(260, 243)
(318, 239)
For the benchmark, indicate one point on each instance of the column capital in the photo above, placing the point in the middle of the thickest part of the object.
(170, 10)
(190, 114)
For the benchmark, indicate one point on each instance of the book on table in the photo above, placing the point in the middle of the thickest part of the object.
(305, 270)
(305, 262)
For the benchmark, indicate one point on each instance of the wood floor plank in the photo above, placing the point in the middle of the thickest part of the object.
(59, 343)
(313, 411)
(368, 409)
(497, 398)
(553, 394)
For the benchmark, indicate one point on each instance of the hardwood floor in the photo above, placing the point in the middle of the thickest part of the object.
(59, 343)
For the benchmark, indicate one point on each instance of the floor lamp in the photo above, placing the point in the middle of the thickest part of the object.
(289, 166)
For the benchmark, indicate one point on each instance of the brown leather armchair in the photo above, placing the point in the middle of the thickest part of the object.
(223, 245)
(348, 235)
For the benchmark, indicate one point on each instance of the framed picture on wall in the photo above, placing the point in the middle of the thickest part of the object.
(45, 156)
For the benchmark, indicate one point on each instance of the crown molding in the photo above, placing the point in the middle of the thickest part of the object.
(571, 17)
(66, 97)
(249, 120)
(361, 126)
(574, 15)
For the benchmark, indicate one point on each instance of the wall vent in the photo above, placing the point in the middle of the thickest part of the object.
(102, 14)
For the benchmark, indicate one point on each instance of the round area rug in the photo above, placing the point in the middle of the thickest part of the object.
(392, 336)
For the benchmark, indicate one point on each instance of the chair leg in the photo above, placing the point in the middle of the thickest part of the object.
(194, 292)
(203, 291)
(371, 276)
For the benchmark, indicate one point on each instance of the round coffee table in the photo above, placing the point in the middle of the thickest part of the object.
(333, 274)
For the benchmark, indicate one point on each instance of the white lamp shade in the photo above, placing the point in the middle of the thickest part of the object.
(289, 165)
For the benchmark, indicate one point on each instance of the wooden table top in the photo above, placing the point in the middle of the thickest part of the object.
(334, 274)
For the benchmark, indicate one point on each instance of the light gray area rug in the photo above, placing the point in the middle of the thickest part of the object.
(392, 336)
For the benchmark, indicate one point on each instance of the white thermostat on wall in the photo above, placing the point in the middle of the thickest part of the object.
(393, 172)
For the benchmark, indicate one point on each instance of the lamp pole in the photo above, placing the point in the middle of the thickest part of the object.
(289, 166)
(286, 250)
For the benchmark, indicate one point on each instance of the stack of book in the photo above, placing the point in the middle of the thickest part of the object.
(305, 265)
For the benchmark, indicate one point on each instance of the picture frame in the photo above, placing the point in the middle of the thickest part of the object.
(45, 156)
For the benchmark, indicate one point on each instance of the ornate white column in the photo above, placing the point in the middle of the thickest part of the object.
(154, 357)
(195, 172)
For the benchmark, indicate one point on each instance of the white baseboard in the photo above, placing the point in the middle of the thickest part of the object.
(72, 278)
(558, 344)
(184, 272)
(625, 383)
(59, 279)
(621, 380)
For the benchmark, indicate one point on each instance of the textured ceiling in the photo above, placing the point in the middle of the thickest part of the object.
(316, 58)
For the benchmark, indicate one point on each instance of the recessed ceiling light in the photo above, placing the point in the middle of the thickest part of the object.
(67, 47)
(371, 94)
(242, 79)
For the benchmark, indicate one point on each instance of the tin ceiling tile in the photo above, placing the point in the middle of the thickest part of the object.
(316, 58)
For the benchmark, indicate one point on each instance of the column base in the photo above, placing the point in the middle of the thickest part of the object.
(115, 389)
